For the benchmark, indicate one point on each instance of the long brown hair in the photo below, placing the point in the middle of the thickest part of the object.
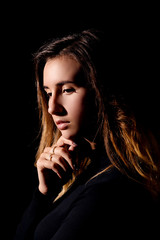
(131, 148)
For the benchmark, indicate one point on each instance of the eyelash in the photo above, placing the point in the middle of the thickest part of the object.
(48, 95)
(66, 90)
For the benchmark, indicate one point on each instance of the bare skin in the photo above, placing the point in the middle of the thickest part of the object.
(67, 106)
(56, 159)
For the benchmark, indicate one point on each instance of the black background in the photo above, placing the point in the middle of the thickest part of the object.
(24, 28)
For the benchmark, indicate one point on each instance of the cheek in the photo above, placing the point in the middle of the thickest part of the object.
(77, 110)
(77, 107)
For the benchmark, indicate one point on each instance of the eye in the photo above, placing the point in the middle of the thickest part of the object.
(48, 95)
(68, 90)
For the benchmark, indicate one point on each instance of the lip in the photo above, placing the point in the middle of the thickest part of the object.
(62, 125)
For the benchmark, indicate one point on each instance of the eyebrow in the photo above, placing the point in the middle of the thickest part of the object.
(61, 83)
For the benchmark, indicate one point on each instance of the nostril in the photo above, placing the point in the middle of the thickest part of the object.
(55, 106)
(58, 111)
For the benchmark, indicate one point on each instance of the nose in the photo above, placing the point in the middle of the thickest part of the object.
(55, 106)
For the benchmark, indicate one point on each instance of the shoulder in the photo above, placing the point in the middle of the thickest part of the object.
(115, 189)
(107, 181)
(123, 201)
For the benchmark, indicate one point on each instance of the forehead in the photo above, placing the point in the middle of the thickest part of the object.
(60, 69)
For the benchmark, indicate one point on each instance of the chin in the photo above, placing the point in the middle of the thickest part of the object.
(69, 135)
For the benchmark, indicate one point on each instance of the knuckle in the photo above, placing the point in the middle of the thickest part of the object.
(46, 149)
(58, 150)
(42, 155)
(62, 151)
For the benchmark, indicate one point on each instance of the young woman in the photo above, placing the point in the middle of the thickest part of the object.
(98, 169)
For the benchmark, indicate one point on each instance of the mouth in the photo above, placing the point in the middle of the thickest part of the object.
(62, 125)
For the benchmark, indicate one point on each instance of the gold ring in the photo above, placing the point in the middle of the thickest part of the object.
(54, 148)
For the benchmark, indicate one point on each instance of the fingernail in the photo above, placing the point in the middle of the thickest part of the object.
(74, 144)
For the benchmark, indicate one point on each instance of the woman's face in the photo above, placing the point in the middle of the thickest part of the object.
(67, 96)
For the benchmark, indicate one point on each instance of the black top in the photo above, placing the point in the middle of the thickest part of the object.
(109, 205)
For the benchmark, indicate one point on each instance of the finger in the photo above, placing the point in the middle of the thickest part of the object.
(56, 159)
(71, 148)
(60, 161)
(63, 141)
(48, 149)
(46, 155)
(45, 164)
(64, 154)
